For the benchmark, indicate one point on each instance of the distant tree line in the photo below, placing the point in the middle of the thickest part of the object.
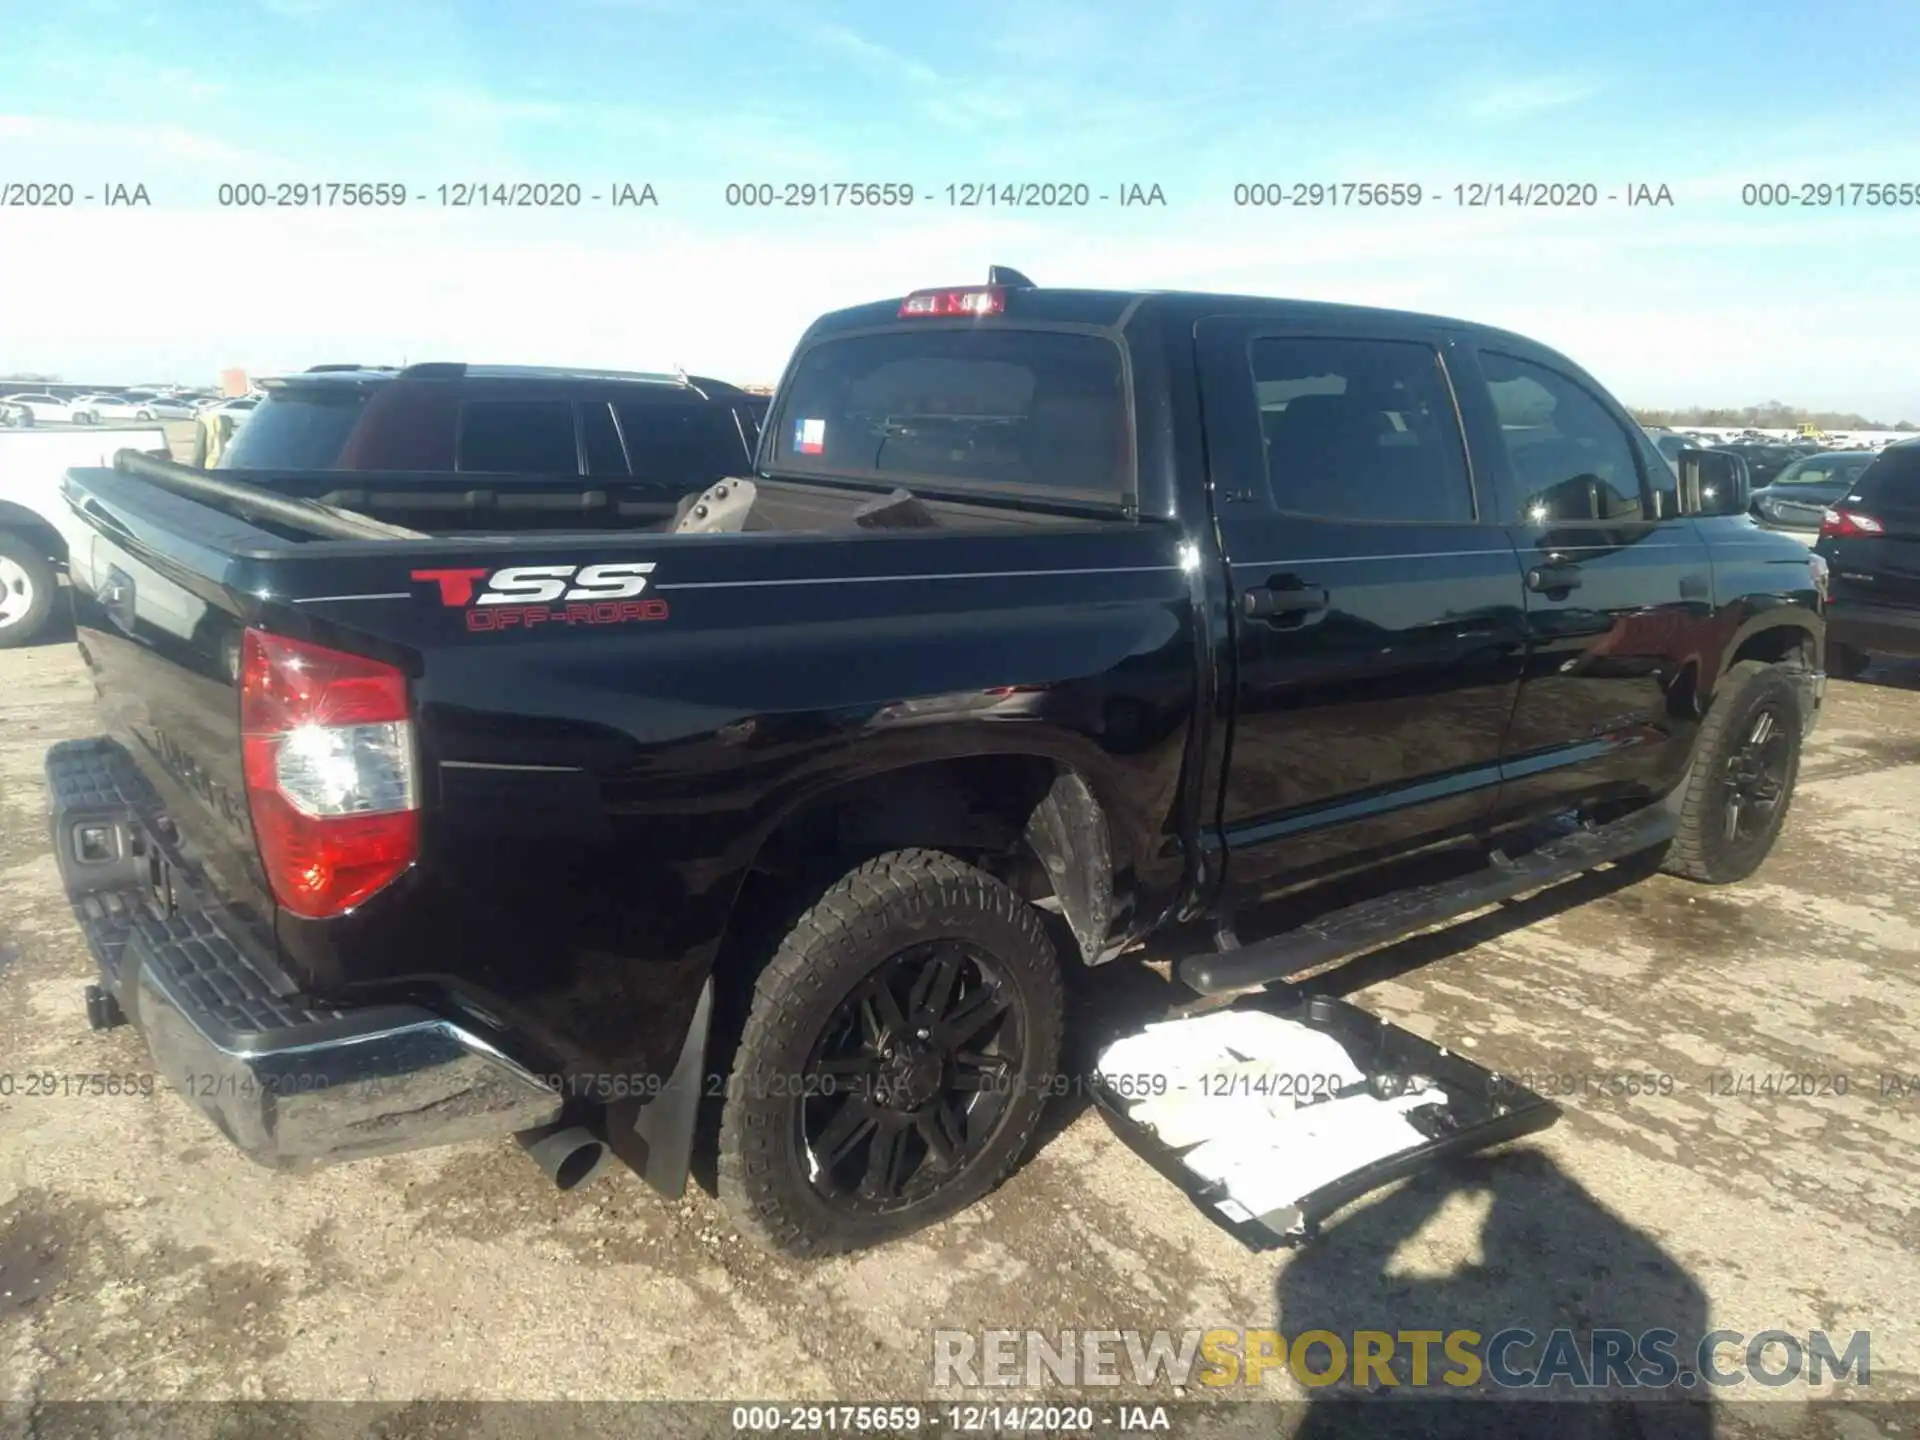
(1771, 416)
(29, 377)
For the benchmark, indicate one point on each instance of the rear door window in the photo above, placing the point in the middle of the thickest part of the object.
(677, 443)
(528, 437)
(983, 408)
(1360, 430)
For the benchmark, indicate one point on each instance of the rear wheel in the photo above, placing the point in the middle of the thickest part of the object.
(891, 1070)
(1741, 782)
(27, 585)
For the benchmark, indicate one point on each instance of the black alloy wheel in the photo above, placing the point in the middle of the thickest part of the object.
(1733, 801)
(896, 1052)
(911, 1077)
(1758, 773)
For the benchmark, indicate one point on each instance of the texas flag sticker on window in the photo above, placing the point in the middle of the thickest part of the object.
(810, 436)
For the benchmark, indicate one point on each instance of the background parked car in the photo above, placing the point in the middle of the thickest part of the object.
(39, 406)
(1799, 495)
(87, 408)
(1871, 542)
(1765, 460)
(158, 407)
(99, 408)
(667, 433)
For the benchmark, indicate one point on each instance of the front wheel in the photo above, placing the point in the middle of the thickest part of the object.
(1741, 782)
(894, 1060)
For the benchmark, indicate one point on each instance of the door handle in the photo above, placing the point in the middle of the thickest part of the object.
(1561, 576)
(1693, 587)
(1265, 602)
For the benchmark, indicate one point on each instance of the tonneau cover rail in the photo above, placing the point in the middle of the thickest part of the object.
(306, 515)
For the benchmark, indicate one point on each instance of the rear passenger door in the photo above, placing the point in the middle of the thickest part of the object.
(1378, 618)
(1619, 595)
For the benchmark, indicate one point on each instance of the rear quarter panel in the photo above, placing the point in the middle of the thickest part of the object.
(596, 792)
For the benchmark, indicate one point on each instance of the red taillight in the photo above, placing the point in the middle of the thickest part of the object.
(1849, 524)
(328, 748)
(969, 300)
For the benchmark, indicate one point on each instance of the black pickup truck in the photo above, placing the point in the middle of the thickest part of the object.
(1047, 621)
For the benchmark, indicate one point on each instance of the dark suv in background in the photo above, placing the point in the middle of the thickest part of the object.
(683, 431)
(1870, 539)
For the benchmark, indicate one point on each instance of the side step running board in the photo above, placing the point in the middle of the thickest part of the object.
(1374, 923)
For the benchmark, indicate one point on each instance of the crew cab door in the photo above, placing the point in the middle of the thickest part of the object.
(1619, 585)
(1377, 609)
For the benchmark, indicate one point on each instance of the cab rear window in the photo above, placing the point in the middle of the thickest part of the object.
(974, 408)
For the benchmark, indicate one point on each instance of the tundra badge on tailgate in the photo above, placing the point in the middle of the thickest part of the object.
(523, 596)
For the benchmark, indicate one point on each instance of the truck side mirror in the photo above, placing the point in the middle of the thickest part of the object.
(1713, 482)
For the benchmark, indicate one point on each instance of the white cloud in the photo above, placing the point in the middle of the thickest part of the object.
(876, 57)
(1504, 100)
(463, 106)
(87, 145)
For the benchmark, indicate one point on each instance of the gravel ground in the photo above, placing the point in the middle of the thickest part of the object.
(141, 1258)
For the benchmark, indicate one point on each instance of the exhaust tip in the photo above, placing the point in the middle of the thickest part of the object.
(570, 1155)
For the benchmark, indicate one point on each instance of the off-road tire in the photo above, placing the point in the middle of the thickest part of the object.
(42, 584)
(1702, 850)
(882, 908)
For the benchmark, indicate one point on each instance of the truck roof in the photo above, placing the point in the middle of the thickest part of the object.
(1113, 308)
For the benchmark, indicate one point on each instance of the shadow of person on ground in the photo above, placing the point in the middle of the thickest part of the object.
(1546, 1257)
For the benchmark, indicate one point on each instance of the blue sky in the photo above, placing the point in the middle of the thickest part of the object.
(1707, 301)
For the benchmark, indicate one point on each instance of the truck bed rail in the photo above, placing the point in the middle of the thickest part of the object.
(252, 501)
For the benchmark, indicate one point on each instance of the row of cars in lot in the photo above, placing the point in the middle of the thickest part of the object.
(27, 408)
(1856, 505)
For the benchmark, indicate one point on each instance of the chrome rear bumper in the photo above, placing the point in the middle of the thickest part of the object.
(370, 1083)
(290, 1084)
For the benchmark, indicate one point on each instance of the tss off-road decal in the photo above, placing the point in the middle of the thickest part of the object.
(523, 596)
